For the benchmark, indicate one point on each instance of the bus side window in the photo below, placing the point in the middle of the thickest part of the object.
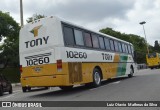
(87, 39)
(116, 46)
(68, 36)
(129, 49)
(107, 43)
(101, 42)
(123, 48)
(95, 41)
(126, 48)
(111, 44)
(120, 46)
(79, 37)
(132, 51)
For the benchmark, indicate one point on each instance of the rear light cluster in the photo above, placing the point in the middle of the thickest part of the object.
(59, 65)
(20, 68)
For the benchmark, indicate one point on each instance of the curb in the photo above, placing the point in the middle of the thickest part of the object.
(16, 84)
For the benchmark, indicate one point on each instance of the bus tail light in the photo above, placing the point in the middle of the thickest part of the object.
(20, 68)
(59, 65)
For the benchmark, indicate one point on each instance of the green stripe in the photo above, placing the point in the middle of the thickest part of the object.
(122, 66)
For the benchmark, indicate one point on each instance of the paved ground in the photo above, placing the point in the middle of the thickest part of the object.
(144, 86)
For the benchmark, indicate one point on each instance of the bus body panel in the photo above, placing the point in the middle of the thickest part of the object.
(69, 75)
(46, 37)
(42, 52)
(153, 60)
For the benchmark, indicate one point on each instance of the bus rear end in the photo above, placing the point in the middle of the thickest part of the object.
(153, 60)
(40, 58)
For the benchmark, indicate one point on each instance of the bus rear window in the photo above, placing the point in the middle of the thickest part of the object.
(152, 55)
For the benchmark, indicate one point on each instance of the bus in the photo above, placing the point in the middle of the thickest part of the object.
(58, 53)
(153, 60)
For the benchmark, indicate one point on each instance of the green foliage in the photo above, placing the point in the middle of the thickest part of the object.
(9, 30)
(34, 17)
(137, 41)
(157, 46)
(12, 74)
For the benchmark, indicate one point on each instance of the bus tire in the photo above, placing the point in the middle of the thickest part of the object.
(131, 72)
(24, 89)
(66, 88)
(96, 78)
(46, 88)
(29, 88)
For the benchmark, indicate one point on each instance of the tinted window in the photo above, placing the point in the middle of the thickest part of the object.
(95, 41)
(101, 42)
(132, 49)
(116, 46)
(87, 39)
(79, 37)
(107, 44)
(120, 46)
(129, 48)
(126, 48)
(152, 55)
(68, 36)
(123, 48)
(111, 44)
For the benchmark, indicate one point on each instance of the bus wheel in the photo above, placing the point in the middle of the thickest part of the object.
(96, 78)
(24, 89)
(46, 87)
(66, 87)
(29, 88)
(131, 72)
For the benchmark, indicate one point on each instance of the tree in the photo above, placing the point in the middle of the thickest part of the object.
(34, 17)
(9, 30)
(156, 46)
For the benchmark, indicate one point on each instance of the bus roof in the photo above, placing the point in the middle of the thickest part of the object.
(78, 26)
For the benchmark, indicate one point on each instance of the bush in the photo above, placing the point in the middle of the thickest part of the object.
(12, 74)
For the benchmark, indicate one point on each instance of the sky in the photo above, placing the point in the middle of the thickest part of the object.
(120, 15)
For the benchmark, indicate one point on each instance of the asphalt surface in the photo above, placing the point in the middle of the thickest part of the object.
(144, 86)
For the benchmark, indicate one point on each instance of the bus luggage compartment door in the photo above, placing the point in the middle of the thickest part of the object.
(75, 72)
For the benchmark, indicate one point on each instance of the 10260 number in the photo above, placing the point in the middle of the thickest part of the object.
(37, 61)
(75, 54)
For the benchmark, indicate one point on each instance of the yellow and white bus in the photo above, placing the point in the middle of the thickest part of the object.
(153, 60)
(55, 52)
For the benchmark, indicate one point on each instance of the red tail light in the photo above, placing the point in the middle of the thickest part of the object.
(20, 68)
(59, 65)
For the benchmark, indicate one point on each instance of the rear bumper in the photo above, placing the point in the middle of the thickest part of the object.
(43, 81)
(155, 66)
